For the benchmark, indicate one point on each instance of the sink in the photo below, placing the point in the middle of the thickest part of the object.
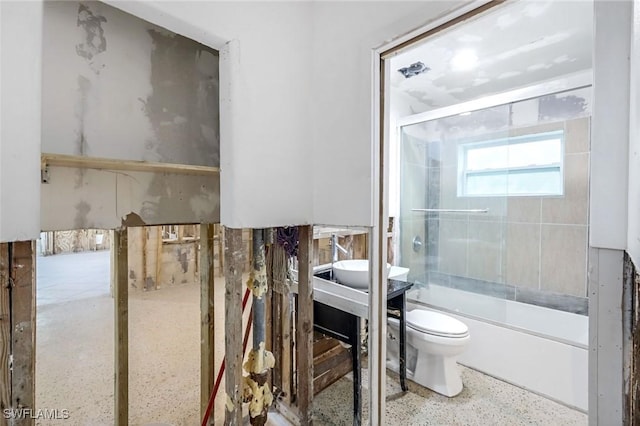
(353, 273)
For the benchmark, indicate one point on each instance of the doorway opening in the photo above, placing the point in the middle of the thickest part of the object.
(486, 143)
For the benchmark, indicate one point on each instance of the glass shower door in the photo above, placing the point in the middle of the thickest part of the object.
(453, 206)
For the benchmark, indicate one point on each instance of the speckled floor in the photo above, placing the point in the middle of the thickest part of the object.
(483, 401)
(74, 362)
(74, 346)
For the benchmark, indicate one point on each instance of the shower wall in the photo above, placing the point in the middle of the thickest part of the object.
(529, 248)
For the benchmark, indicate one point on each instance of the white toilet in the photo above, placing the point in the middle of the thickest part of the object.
(434, 340)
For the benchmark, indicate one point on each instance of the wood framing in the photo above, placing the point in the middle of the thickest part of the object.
(17, 327)
(121, 327)
(207, 293)
(5, 330)
(234, 261)
(304, 329)
(82, 162)
(23, 319)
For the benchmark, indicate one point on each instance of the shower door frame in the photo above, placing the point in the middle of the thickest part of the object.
(615, 38)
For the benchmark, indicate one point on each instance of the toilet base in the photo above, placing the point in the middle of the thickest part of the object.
(448, 383)
(438, 373)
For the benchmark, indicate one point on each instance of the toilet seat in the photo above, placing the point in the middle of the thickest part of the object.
(436, 324)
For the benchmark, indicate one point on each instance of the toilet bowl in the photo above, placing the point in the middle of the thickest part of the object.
(434, 340)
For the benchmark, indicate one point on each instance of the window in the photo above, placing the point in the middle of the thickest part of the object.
(523, 165)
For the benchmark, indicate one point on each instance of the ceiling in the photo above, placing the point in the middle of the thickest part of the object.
(514, 45)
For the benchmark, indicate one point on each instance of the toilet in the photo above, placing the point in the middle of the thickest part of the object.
(434, 341)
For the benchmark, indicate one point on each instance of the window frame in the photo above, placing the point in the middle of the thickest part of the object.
(464, 173)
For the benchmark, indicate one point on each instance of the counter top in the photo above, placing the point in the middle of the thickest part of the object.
(348, 299)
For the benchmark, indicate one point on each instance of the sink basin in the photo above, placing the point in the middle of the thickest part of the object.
(353, 273)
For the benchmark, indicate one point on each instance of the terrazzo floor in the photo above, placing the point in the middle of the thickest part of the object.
(484, 401)
(74, 346)
(74, 362)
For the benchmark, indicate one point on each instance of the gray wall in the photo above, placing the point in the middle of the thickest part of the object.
(115, 86)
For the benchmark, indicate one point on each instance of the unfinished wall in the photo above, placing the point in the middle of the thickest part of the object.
(266, 149)
(320, 77)
(179, 257)
(117, 87)
(74, 241)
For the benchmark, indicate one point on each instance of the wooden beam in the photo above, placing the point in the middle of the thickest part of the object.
(158, 254)
(82, 162)
(207, 302)
(287, 349)
(144, 235)
(112, 263)
(23, 318)
(234, 262)
(304, 329)
(5, 331)
(121, 327)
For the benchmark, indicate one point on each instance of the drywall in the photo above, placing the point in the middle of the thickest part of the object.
(267, 166)
(20, 58)
(343, 44)
(101, 199)
(298, 146)
(117, 87)
(633, 238)
(610, 126)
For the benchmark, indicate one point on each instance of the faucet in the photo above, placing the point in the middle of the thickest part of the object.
(335, 247)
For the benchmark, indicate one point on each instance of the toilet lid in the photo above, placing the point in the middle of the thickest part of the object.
(436, 323)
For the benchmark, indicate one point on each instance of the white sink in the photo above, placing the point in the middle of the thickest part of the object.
(353, 273)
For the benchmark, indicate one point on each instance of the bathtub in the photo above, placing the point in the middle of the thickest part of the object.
(536, 348)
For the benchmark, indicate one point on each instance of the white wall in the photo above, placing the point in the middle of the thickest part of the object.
(610, 126)
(296, 142)
(345, 35)
(21, 37)
(298, 146)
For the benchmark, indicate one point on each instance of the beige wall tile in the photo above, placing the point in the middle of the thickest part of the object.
(577, 135)
(449, 190)
(573, 206)
(414, 187)
(452, 250)
(538, 128)
(523, 209)
(523, 255)
(563, 261)
(486, 241)
(497, 208)
(410, 228)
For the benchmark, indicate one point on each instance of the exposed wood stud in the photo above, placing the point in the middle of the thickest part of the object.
(158, 254)
(5, 331)
(144, 235)
(121, 327)
(234, 261)
(23, 311)
(287, 349)
(269, 240)
(207, 302)
(304, 329)
(83, 162)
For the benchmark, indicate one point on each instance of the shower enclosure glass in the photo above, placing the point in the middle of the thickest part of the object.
(494, 206)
